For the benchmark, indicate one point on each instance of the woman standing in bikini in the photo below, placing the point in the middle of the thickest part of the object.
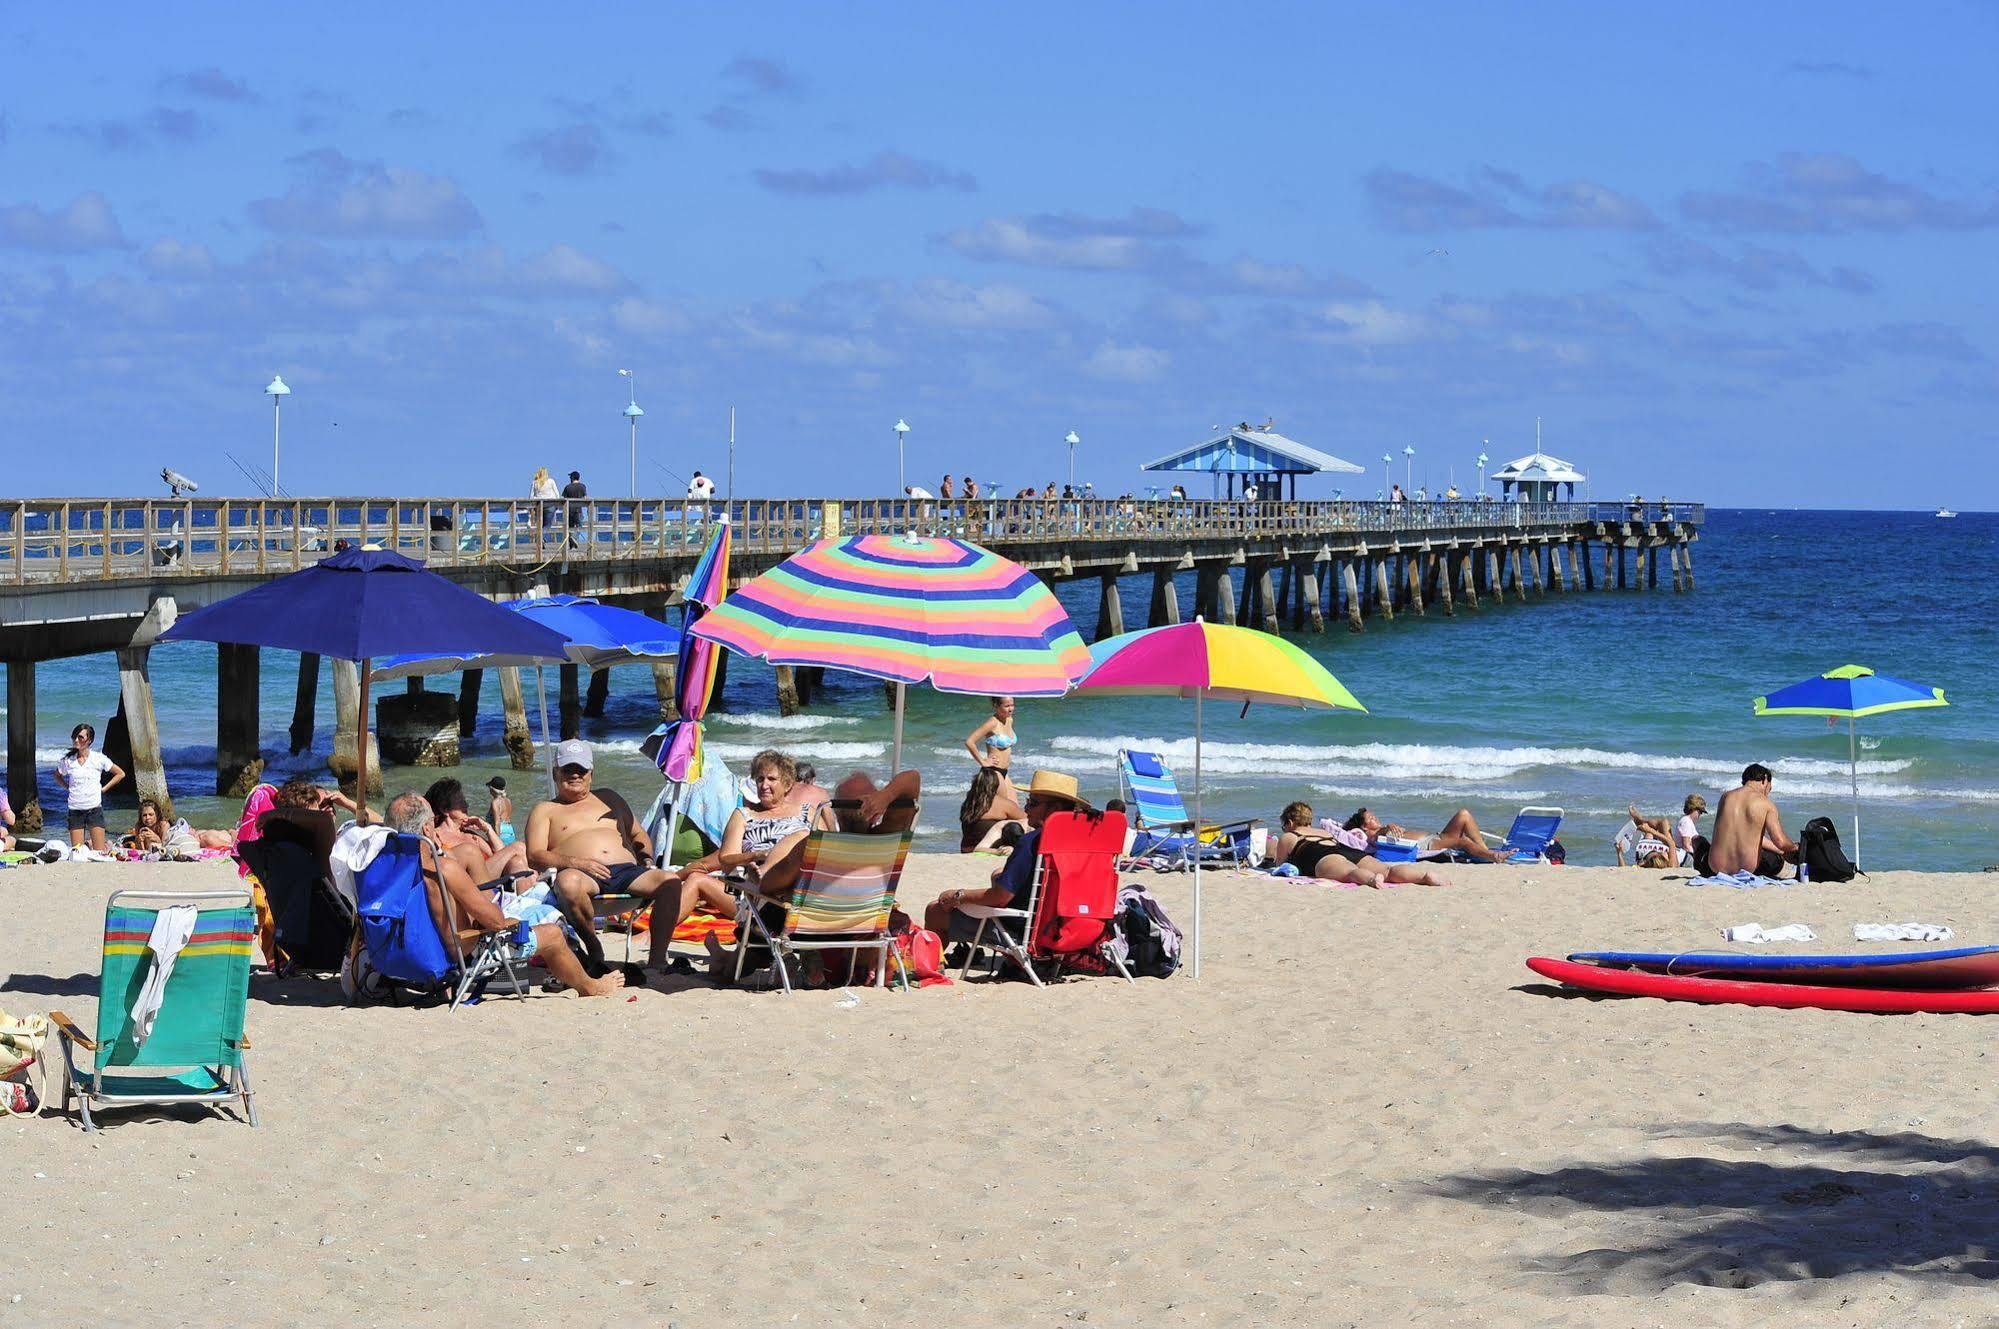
(992, 743)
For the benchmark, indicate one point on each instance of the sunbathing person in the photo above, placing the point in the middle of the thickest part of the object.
(1649, 841)
(1748, 835)
(989, 818)
(1687, 830)
(592, 840)
(1340, 855)
(547, 934)
(762, 840)
(149, 832)
(1460, 835)
(859, 804)
(470, 839)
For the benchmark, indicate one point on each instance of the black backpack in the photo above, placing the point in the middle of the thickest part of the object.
(1149, 939)
(1820, 853)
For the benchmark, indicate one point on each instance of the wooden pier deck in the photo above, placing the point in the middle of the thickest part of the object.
(80, 576)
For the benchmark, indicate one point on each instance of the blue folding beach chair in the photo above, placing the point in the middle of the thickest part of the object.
(1165, 830)
(400, 908)
(1533, 830)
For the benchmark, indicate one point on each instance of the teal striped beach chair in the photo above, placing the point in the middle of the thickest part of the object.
(1165, 828)
(842, 900)
(195, 1051)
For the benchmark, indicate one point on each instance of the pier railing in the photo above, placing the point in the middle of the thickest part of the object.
(82, 540)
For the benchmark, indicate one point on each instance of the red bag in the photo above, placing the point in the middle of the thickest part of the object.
(922, 955)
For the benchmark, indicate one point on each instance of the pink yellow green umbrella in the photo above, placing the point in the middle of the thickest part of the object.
(1200, 660)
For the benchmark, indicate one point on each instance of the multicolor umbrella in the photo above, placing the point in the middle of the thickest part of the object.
(1202, 660)
(694, 687)
(909, 609)
(1852, 691)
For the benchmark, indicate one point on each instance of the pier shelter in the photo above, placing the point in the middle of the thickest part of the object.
(1243, 456)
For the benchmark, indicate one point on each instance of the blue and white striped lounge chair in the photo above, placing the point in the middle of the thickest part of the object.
(1165, 830)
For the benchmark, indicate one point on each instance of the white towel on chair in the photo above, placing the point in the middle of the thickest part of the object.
(1757, 933)
(1902, 932)
(171, 929)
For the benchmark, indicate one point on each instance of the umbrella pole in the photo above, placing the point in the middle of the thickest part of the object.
(1197, 833)
(895, 763)
(361, 754)
(1853, 772)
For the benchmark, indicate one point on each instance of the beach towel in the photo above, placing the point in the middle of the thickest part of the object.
(261, 800)
(710, 800)
(1902, 932)
(1758, 934)
(171, 929)
(353, 850)
(1741, 881)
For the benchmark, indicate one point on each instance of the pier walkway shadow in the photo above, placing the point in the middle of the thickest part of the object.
(1859, 1202)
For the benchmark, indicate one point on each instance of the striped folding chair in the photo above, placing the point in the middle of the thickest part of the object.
(845, 891)
(195, 1050)
(1165, 828)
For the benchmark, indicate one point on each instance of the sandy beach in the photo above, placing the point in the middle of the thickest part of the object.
(1366, 1112)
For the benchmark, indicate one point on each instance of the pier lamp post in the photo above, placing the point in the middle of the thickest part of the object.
(1409, 469)
(901, 433)
(1072, 441)
(632, 413)
(1482, 460)
(277, 392)
(1387, 460)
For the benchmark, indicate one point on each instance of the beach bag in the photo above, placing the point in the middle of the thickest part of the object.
(1146, 940)
(922, 954)
(21, 1044)
(1820, 852)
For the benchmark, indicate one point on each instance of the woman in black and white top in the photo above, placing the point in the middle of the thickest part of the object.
(83, 771)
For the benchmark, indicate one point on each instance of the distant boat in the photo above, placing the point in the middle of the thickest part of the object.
(1945, 512)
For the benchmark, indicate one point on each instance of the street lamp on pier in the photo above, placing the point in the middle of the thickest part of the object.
(277, 392)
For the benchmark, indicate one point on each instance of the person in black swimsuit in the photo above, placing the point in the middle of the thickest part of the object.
(1328, 857)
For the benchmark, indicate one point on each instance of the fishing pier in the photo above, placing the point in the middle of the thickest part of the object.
(83, 576)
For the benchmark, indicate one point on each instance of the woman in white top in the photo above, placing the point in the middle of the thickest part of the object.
(82, 772)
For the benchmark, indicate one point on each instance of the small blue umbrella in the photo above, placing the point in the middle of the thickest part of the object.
(1852, 691)
(596, 635)
(363, 603)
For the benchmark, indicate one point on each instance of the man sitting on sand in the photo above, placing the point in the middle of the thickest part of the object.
(547, 934)
(1050, 791)
(592, 840)
(1748, 837)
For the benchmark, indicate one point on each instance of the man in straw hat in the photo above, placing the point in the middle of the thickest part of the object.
(1049, 791)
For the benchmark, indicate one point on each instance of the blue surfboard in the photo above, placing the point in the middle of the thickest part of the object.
(1963, 967)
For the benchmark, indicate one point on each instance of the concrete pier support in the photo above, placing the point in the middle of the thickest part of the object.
(1556, 575)
(1513, 572)
(1412, 572)
(1165, 609)
(1440, 571)
(346, 728)
(1286, 607)
(1267, 605)
(142, 727)
(787, 690)
(598, 692)
(1384, 602)
(1495, 584)
(21, 767)
(1534, 569)
(1225, 598)
(1652, 568)
(1611, 560)
(1308, 589)
(569, 708)
(1207, 592)
(1687, 562)
(1110, 609)
(1352, 590)
(238, 764)
(516, 736)
(1673, 553)
(1467, 579)
(468, 701)
(665, 682)
(305, 702)
(418, 728)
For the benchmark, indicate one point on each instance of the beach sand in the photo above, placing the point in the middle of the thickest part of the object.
(1366, 1112)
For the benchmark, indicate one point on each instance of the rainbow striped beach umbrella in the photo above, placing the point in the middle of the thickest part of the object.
(907, 609)
(694, 685)
(1202, 660)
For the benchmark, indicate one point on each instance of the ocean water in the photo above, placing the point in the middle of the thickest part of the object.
(1586, 700)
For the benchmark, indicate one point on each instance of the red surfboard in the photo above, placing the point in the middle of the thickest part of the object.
(1794, 996)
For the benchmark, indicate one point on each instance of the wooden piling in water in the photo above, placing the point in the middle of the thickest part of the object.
(1384, 602)
(1165, 608)
(304, 702)
(22, 769)
(238, 763)
(1268, 605)
(1225, 598)
(787, 690)
(569, 709)
(599, 692)
(1412, 570)
(1308, 590)
(346, 716)
(1352, 590)
(1110, 608)
(468, 701)
(1440, 569)
(515, 735)
(1495, 582)
(1556, 576)
(1687, 562)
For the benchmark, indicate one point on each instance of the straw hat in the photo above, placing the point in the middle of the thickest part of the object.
(1054, 784)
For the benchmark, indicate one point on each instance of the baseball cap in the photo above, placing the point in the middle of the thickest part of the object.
(572, 752)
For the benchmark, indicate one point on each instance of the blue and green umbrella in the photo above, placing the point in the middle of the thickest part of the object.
(1853, 692)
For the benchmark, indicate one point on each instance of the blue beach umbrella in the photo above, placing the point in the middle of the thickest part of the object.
(1852, 691)
(363, 603)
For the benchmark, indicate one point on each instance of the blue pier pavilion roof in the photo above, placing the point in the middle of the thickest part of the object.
(1246, 451)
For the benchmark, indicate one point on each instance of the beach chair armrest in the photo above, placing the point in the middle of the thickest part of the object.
(480, 934)
(990, 911)
(241, 1041)
(67, 1027)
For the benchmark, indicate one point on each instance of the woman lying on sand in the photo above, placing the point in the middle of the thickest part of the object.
(1460, 834)
(1340, 855)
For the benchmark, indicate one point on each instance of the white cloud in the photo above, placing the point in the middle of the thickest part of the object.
(87, 223)
(1127, 364)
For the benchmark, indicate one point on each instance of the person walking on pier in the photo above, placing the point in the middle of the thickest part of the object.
(82, 772)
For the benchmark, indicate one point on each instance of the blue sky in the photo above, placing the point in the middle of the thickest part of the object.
(1740, 253)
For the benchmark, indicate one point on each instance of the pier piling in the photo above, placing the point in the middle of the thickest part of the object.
(1225, 598)
(1308, 586)
(1383, 602)
(142, 727)
(515, 735)
(1467, 579)
(1440, 572)
(1165, 609)
(1267, 605)
(569, 708)
(346, 718)
(665, 682)
(468, 701)
(305, 702)
(1352, 591)
(787, 690)
(598, 692)
(21, 768)
(238, 764)
(1110, 608)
